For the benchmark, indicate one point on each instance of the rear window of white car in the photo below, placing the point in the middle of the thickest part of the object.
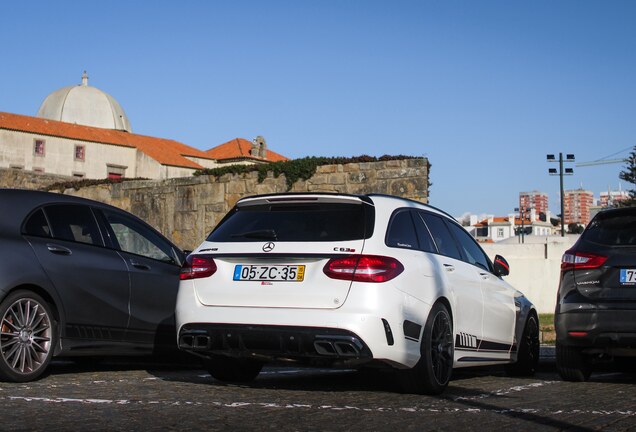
(312, 222)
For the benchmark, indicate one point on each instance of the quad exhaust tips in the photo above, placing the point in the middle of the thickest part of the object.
(338, 346)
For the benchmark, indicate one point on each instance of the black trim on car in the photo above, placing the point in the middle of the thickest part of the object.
(273, 342)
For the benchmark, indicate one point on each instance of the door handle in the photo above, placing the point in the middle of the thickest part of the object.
(449, 267)
(139, 265)
(484, 275)
(58, 250)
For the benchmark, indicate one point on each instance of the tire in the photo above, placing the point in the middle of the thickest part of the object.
(529, 350)
(233, 370)
(433, 371)
(572, 364)
(27, 337)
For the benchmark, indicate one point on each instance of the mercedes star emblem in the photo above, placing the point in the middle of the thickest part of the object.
(268, 247)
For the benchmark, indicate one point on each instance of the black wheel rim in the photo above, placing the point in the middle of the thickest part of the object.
(442, 348)
(531, 340)
(25, 336)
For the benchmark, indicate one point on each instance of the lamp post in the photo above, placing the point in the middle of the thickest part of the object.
(523, 211)
(561, 173)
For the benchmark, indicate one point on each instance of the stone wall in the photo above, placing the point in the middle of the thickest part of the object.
(23, 179)
(186, 209)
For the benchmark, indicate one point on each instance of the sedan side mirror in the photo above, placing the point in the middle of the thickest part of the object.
(502, 268)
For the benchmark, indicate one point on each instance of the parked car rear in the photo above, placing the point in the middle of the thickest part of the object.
(350, 280)
(595, 315)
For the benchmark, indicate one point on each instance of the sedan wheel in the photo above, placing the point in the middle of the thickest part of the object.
(26, 337)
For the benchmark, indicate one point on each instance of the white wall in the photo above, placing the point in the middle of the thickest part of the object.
(534, 267)
(16, 148)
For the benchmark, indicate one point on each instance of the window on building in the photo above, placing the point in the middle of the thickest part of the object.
(500, 232)
(38, 147)
(80, 152)
(116, 171)
(79, 175)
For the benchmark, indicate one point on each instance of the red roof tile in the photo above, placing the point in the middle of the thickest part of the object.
(164, 151)
(240, 148)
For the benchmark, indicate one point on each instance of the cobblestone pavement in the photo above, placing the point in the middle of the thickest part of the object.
(144, 396)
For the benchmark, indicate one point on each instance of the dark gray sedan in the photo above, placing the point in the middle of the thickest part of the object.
(80, 278)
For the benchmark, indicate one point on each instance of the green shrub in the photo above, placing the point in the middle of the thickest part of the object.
(295, 169)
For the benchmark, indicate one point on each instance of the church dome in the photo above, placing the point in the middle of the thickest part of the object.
(84, 105)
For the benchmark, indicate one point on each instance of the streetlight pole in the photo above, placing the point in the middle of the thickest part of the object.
(523, 211)
(561, 173)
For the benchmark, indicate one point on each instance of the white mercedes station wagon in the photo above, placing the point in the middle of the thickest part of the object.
(350, 281)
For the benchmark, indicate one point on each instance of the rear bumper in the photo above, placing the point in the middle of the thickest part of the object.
(274, 342)
(369, 326)
(598, 330)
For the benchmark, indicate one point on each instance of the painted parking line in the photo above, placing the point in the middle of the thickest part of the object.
(302, 406)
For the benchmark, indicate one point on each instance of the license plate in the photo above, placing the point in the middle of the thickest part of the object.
(628, 276)
(283, 273)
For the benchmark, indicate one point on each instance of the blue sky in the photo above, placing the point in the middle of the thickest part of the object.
(484, 89)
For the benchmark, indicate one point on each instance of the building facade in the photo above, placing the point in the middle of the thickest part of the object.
(577, 206)
(612, 198)
(83, 132)
(533, 200)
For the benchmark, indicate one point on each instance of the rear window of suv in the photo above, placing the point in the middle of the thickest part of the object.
(313, 222)
(613, 229)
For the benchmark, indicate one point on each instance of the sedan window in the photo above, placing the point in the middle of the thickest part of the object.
(73, 222)
(37, 225)
(135, 238)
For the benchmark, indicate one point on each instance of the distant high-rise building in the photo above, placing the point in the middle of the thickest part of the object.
(577, 205)
(611, 198)
(534, 200)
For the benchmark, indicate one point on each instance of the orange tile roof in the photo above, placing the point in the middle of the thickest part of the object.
(164, 151)
(239, 148)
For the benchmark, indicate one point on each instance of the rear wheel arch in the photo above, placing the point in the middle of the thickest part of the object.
(46, 296)
(58, 325)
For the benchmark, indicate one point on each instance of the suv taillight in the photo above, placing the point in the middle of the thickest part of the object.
(363, 268)
(573, 260)
(197, 266)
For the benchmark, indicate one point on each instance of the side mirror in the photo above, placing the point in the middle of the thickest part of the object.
(502, 268)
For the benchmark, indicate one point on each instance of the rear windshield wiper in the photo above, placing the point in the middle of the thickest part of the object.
(266, 234)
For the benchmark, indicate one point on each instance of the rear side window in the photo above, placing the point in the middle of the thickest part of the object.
(401, 232)
(73, 223)
(612, 229)
(313, 222)
(427, 243)
(37, 225)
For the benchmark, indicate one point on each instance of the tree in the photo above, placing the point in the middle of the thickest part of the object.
(629, 175)
(574, 228)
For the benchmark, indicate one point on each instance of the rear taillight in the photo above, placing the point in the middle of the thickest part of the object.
(363, 268)
(573, 260)
(197, 266)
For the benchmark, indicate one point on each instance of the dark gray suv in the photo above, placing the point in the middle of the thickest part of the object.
(80, 278)
(595, 315)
